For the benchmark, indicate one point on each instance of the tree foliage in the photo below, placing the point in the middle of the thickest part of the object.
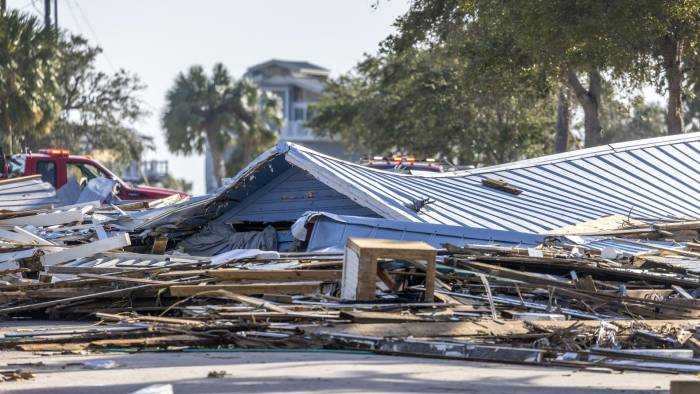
(216, 111)
(98, 110)
(426, 102)
(29, 89)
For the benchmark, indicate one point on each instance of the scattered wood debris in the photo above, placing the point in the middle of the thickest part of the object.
(613, 302)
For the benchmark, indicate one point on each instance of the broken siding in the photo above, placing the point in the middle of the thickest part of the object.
(288, 195)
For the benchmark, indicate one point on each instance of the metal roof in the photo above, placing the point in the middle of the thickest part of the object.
(24, 193)
(330, 232)
(654, 178)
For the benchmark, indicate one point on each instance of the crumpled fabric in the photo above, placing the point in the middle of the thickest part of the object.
(217, 238)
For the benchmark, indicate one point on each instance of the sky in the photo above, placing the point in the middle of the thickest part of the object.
(157, 39)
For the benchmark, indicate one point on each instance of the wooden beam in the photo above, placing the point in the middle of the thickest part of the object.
(114, 278)
(92, 295)
(480, 328)
(86, 250)
(274, 275)
(247, 289)
(380, 317)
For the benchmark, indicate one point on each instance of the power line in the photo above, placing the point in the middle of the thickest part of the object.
(75, 19)
(94, 35)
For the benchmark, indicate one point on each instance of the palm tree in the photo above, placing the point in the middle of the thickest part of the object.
(216, 111)
(29, 92)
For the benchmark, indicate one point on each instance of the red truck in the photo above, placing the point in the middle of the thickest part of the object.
(56, 166)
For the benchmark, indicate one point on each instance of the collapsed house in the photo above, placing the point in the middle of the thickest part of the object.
(588, 258)
(652, 179)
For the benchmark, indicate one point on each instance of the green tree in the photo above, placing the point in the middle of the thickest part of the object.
(670, 32)
(98, 110)
(216, 111)
(29, 91)
(426, 102)
(573, 44)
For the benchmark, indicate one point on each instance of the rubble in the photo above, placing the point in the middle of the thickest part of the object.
(620, 293)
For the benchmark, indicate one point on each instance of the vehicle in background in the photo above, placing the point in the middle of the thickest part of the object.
(404, 164)
(57, 166)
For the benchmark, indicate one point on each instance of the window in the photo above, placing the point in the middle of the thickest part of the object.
(299, 113)
(82, 171)
(47, 169)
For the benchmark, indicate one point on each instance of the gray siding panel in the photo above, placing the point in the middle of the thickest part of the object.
(288, 195)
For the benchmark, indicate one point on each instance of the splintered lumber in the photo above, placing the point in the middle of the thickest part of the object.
(247, 289)
(275, 275)
(254, 302)
(86, 250)
(150, 319)
(381, 317)
(114, 278)
(480, 327)
(145, 342)
(555, 265)
(91, 295)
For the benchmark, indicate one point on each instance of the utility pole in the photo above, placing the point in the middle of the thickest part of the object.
(55, 14)
(47, 14)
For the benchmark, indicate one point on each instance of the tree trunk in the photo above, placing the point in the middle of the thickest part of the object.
(561, 136)
(673, 67)
(590, 102)
(6, 132)
(217, 155)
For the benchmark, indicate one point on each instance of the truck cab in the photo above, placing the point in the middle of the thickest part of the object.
(57, 166)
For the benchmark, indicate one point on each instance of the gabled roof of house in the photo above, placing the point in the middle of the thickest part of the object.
(290, 64)
(655, 179)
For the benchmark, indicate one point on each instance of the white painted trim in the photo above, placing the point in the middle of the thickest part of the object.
(48, 219)
(86, 250)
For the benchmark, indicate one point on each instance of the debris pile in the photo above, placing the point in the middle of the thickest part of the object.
(620, 292)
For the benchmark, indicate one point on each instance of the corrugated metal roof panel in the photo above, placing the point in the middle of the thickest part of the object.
(19, 194)
(654, 178)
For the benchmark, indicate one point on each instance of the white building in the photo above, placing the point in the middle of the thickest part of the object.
(298, 84)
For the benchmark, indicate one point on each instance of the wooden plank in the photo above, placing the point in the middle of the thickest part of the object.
(274, 275)
(47, 219)
(30, 236)
(380, 317)
(150, 319)
(481, 327)
(90, 296)
(86, 250)
(19, 238)
(254, 302)
(144, 342)
(114, 278)
(248, 289)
